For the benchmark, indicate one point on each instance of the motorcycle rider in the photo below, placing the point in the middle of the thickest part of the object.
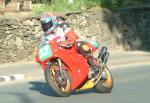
(53, 26)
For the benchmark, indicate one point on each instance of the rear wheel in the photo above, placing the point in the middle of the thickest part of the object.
(59, 82)
(105, 86)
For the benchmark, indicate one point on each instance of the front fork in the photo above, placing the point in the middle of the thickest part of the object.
(60, 66)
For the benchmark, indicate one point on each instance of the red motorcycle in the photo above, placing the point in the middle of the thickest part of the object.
(66, 70)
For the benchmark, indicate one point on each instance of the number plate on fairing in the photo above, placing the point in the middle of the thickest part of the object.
(45, 52)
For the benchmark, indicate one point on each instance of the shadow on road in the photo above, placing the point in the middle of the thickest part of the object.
(44, 89)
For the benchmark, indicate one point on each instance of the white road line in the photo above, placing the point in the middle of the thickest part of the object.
(18, 76)
(15, 76)
(128, 65)
(6, 78)
(22, 77)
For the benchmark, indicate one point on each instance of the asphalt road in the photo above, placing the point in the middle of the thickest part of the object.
(131, 85)
(115, 59)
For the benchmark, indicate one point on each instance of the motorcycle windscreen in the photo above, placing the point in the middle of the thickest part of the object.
(45, 52)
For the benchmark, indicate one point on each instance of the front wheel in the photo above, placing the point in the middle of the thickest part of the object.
(105, 86)
(59, 82)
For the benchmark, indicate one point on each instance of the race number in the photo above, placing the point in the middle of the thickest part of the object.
(45, 52)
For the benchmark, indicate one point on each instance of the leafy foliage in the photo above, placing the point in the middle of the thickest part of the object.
(65, 6)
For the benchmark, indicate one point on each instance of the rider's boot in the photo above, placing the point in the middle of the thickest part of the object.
(103, 76)
(95, 65)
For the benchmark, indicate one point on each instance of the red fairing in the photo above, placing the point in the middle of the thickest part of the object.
(75, 63)
(37, 58)
(77, 66)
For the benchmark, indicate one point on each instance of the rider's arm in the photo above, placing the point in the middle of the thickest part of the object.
(71, 36)
(43, 40)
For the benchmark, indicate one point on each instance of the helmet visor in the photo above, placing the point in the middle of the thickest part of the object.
(46, 26)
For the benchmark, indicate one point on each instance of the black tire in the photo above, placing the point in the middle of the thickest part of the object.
(105, 86)
(51, 83)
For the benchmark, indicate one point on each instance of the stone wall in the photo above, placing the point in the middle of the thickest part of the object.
(93, 23)
(18, 38)
(135, 32)
(130, 30)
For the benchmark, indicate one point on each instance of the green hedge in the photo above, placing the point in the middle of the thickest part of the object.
(116, 4)
(64, 6)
